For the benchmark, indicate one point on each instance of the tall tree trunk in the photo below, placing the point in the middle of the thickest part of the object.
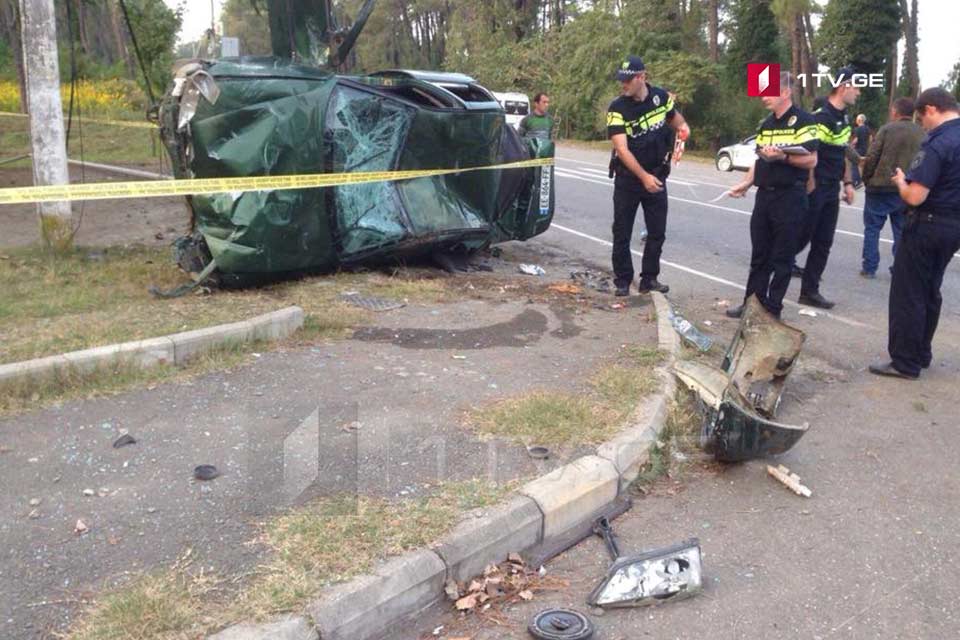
(121, 40)
(805, 67)
(910, 56)
(796, 50)
(713, 29)
(892, 76)
(811, 43)
(82, 27)
(10, 26)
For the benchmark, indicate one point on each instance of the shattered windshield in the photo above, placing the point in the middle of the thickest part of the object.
(365, 132)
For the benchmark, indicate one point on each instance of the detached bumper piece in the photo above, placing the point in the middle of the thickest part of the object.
(742, 397)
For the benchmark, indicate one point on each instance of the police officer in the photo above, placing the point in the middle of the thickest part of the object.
(833, 131)
(787, 151)
(639, 124)
(930, 237)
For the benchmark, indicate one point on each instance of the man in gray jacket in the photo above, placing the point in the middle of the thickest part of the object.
(894, 146)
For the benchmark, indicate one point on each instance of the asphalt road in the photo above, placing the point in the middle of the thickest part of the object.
(872, 555)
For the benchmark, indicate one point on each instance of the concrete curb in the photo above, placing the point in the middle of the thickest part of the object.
(545, 514)
(173, 349)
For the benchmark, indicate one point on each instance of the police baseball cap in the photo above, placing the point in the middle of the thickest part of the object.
(629, 68)
(844, 75)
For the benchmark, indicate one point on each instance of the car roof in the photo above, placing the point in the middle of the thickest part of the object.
(437, 77)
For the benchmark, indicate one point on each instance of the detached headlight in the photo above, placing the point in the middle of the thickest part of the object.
(651, 577)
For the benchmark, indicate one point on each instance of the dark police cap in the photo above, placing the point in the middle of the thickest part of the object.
(844, 74)
(629, 68)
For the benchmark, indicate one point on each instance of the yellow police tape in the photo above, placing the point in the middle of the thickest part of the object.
(206, 186)
(119, 123)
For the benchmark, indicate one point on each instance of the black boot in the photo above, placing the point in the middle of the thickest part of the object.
(734, 312)
(815, 300)
(646, 286)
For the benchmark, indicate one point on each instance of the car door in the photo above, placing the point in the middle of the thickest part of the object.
(745, 153)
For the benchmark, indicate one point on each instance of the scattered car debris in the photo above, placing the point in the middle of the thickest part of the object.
(206, 472)
(561, 624)
(538, 452)
(89, 493)
(789, 480)
(34, 502)
(593, 280)
(565, 287)
(649, 578)
(80, 528)
(531, 270)
(510, 581)
(808, 312)
(741, 397)
(124, 440)
(689, 332)
(371, 303)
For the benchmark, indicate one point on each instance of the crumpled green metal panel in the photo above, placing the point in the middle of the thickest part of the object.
(275, 118)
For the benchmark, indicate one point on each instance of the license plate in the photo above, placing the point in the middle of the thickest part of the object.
(545, 174)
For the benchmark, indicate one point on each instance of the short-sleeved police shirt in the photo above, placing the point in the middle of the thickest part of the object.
(645, 125)
(795, 128)
(833, 132)
(937, 167)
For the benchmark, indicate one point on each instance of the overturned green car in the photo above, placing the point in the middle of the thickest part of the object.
(266, 117)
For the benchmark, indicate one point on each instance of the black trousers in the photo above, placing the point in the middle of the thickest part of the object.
(775, 226)
(820, 224)
(625, 204)
(925, 250)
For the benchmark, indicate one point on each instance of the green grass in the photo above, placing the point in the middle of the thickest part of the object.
(680, 435)
(105, 143)
(54, 304)
(328, 541)
(563, 418)
(34, 393)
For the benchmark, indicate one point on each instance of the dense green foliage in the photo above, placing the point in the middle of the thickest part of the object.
(568, 48)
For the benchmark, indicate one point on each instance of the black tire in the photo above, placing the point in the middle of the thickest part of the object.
(724, 162)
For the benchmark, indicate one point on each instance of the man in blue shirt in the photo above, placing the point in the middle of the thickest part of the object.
(930, 238)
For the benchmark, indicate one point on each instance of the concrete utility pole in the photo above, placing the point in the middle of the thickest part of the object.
(42, 70)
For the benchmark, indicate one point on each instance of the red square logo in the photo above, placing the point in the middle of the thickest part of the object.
(763, 80)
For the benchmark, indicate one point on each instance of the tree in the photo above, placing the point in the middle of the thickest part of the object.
(247, 20)
(794, 16)
(752, 33)
(862, 34)
(155, 27)
(952, 83)
(910, 80)
(10, 28)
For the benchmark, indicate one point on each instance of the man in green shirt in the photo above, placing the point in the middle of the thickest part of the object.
(537, 124)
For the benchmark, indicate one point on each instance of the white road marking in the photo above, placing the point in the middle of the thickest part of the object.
(697, 180)
(712, 278)
(568, 173)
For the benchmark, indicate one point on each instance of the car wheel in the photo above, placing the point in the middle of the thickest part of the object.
(724, 163)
